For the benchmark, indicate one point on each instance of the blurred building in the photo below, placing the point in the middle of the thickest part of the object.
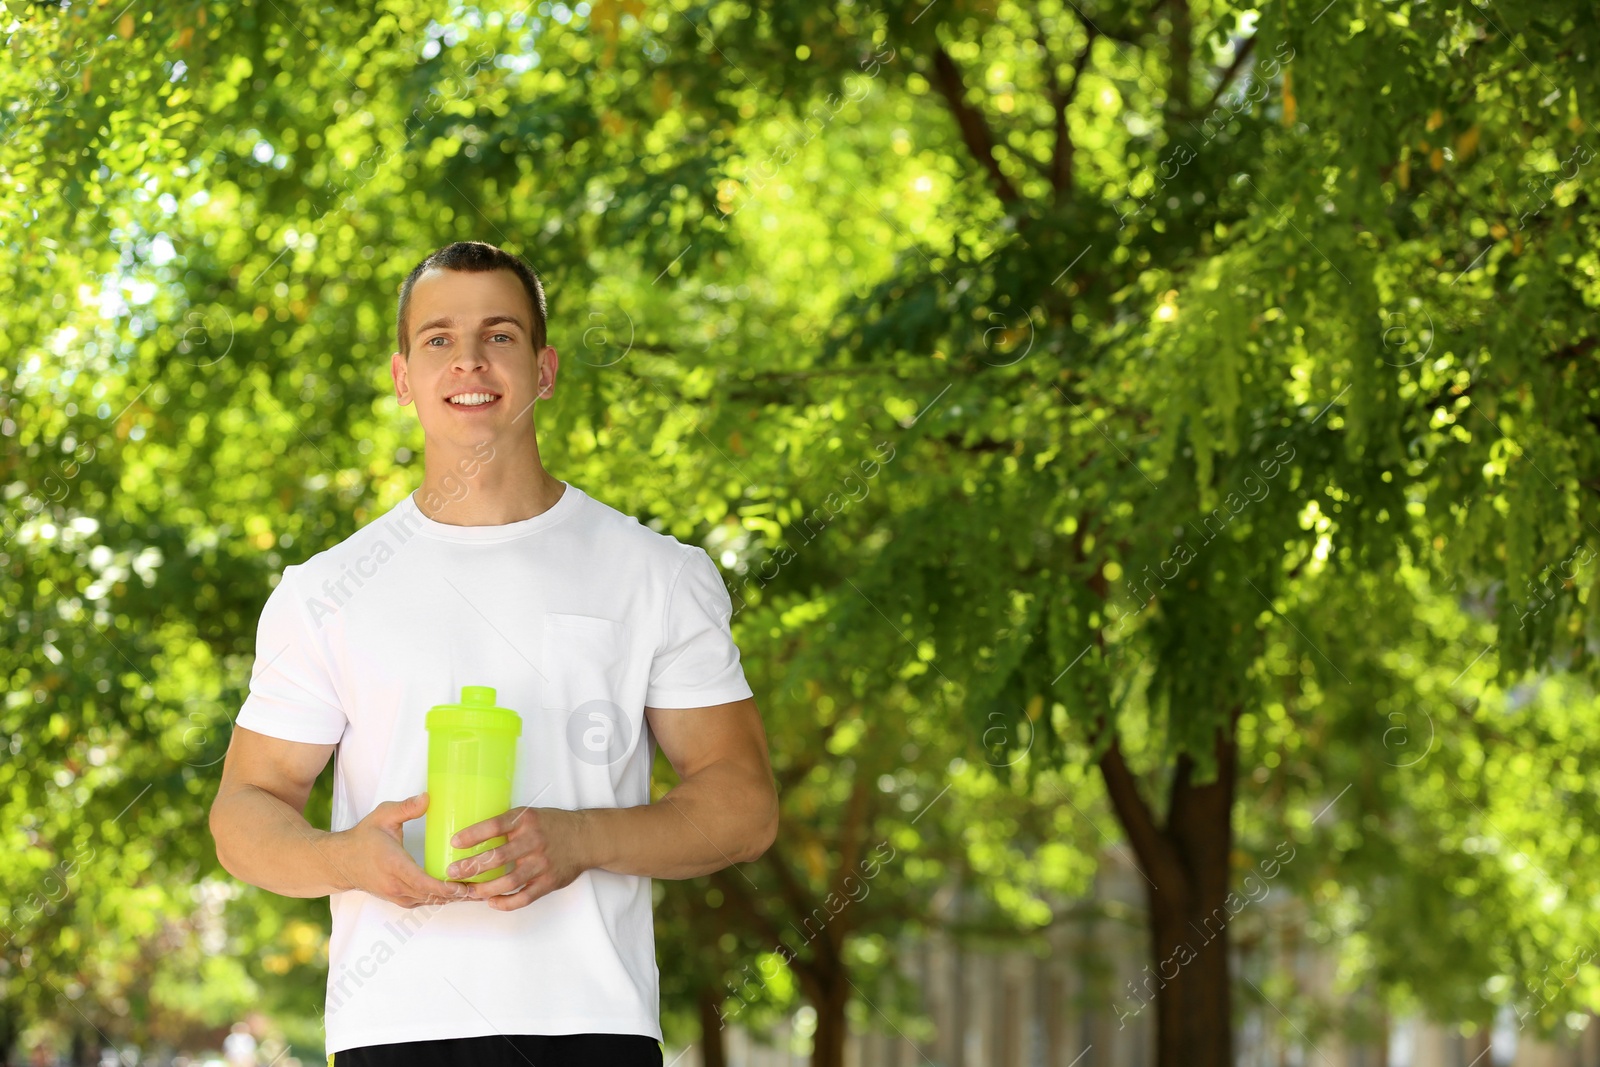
(1054, 1005)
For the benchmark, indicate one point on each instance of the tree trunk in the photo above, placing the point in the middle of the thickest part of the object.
(80, 1053)
(1477, 1046)
(1185, 865)
(824, 976)
(1189, 942)
(713, 1049)
(9, 1029)
(827, 1044)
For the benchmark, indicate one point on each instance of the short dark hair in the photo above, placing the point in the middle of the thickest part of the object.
(474, 257)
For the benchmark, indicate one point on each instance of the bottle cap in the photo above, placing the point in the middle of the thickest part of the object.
(476, 711)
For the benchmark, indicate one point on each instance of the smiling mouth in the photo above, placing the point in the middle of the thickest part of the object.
(473, 401)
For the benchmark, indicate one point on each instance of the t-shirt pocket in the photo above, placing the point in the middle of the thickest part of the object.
(582, 660)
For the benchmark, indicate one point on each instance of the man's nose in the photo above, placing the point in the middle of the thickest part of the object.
(469, 354)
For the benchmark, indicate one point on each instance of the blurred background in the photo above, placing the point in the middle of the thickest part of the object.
(1151, 449)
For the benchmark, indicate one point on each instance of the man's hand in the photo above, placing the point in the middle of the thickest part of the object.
(371, 857)
(543, 852)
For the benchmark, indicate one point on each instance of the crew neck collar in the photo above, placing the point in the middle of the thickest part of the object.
(564, 506)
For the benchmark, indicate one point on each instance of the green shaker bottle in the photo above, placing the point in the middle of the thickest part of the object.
(472, 753)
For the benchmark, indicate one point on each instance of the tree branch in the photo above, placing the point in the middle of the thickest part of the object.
(1181, 58)
(852, 835)
(818, 372)
(806, 970)
(735, 893)
(1155, 852)
(974, 130)
(1060, 169)
(796, 772)
(798, 899)
(954, 441)
(1232, 71)
(1133, 35)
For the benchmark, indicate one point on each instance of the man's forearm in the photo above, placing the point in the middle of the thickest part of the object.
(265, 842)
(721, 816)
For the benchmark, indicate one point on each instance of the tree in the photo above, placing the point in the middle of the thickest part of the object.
(1199, 333)
(1208, 364)
(290, 363)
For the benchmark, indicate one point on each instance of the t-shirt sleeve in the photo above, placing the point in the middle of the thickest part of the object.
(697, 664)
(292, 695)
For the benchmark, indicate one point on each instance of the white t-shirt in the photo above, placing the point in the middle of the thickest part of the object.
(579, 618)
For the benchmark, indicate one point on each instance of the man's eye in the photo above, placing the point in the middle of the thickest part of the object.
(430, 340)
(498, 336)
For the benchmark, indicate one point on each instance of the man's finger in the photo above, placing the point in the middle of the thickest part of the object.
(402, 811)
(424, 885)
(483, 861)
(520, 899)
(516, 877)
(479, 832)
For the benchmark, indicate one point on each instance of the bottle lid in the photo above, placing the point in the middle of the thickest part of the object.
(477, 711)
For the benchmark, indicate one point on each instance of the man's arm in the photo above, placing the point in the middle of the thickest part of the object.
(723, 811)
(264, 839)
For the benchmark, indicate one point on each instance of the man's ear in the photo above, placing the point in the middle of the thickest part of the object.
(398, 371)
(548, 359)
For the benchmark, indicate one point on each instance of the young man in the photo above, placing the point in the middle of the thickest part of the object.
(606, 637)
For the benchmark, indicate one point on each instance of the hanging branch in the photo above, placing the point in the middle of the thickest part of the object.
(974, 130)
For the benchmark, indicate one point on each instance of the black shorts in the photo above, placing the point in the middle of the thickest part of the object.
(510, 1050)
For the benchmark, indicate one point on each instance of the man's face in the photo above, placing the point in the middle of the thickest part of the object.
(471, 337)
